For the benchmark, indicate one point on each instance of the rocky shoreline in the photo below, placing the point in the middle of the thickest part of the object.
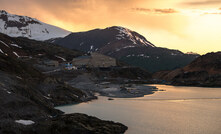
(64, 124)
(27, 100)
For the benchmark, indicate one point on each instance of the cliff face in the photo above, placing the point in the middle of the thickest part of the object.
(204, 71)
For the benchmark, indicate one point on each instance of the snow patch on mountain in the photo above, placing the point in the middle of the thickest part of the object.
(16, 54)
(125, 33)
(118, 49)
(139, 55)
(4, 44)
(60, 57)
(23, 26)
(15, 45)
(2, 51)
(25, 122)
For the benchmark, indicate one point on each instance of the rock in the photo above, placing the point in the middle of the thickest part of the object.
(110, 99)
(65, 124)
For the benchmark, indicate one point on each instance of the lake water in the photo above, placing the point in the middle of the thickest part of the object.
(178, 110)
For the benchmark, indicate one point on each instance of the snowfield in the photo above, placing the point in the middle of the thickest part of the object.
(34, 29)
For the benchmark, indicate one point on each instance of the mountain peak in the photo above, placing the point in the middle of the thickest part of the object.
(136, 38)
(24, 26)
(3, 12)
(118, 28)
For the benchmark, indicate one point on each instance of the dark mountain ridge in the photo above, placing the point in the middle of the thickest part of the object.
(203, 71)
(128, 46)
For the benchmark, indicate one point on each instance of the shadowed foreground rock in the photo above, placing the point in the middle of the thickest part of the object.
(66, 124)
(80, 124)
(28, 97)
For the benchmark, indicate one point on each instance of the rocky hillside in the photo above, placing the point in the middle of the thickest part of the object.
(204, 71)
(28, 97)
(30, 49)
(23, 26)
(127, 46)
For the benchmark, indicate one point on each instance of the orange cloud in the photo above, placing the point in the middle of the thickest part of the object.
(167, 11)
(80, 15)
(202, 2)
(218, 13)
(159, 11)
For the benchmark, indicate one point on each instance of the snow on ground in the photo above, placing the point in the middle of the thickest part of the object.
(4, 44)
(118, 49)
(139, 55)
(6, 90)
(2, 51)
(126, 33)
(19, 77)
(60, 57)
(48, 98)
(25, 122)
(15, 45)
(16, 54)
(128, 47)
(81, 43)
(37, 30)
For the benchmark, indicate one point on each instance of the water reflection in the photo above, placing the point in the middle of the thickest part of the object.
(178, 110)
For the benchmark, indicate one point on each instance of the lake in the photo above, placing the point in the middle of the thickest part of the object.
(177, 110)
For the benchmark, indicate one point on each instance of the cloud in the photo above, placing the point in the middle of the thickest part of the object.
(142, 9)
(159, 11)
(202, 2)
(81, 15)
(215, 13)
(166, 11)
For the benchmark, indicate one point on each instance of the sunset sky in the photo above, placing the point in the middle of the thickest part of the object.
(187, 25)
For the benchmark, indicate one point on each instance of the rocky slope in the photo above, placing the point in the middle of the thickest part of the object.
(28, 97)
(26, 49)
(23, 26)
(204, 71)
(127, 46)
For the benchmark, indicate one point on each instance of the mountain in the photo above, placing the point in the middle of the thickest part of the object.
(23, 26)
(203, 71)
(24, 48)
(128, 46)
